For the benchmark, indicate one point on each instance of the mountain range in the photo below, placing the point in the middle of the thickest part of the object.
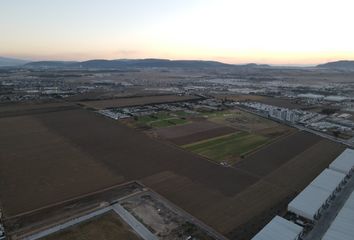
(344, 64)
(148, 63)
(10, 62)
(130, 63)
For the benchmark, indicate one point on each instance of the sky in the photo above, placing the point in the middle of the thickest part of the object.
(232, 31)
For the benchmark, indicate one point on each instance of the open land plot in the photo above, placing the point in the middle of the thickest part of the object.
(19, 109)
(158, 120)
(164, 220)
(35, 161)
(106, 227)
(135, 101)
(264, 161)
(193, 132)
(54, 156)
(248, 122)
(69, 153)
(226, 148)
(242, 215)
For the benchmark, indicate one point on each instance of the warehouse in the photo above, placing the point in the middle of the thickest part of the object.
(344, 163)
(309, 203)
(280, 229)
(342, 228)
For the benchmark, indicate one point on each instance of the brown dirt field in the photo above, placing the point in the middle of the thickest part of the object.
(187, 129)
(264, 161)
(106, 227)
(58, 155)
(13, 110)
(65, 154)
(281, 102)
(36, 165)
(304, 167)
(135, 101)
(193, 132)
(224, 213)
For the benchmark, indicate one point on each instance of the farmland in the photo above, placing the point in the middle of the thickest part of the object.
(227, 147)
(158, 120)
(106, 227)
(193, 132)
(67, 153)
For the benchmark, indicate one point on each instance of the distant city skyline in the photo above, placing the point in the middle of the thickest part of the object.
(278, 32)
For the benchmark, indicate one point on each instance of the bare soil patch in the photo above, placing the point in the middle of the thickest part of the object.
(106, 227)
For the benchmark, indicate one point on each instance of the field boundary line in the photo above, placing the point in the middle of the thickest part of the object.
(71, 199)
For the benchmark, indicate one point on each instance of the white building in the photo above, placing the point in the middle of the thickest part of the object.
(310, 202)
(344, 163)
(279, 229)
(342, 228)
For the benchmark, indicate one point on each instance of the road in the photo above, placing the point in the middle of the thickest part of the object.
(138, 227)
(67, 224)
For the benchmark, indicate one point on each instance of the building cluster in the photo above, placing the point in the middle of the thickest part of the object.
(312, 120)
(190, 106)
(307, 208)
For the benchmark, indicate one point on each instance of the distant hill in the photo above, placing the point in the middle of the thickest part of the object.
(255, 65)
(11, 62)
(137, 63)
(51, 64)
(345, 64)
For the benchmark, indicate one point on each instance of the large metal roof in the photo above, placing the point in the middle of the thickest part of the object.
(342, 228)
(328, 180)
(344, 163)
(314, 196)
(279, 229)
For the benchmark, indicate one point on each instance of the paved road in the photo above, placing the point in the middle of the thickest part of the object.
(67, 224)
(138, 227)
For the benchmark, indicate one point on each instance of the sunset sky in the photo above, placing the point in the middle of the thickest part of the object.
(233, 31)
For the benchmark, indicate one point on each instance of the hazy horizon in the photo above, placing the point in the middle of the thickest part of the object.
(268, 32)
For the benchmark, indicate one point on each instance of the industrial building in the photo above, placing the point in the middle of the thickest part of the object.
(342, 228)
(279, 229)
(309, 203)
(305, 209)
(344, 163)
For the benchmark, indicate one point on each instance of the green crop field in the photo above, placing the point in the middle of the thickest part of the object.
(227, 147)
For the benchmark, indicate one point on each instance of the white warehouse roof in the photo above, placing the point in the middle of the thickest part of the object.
(314, 196)
(344, 163)
(279, 229)
(309, 202)
(342, 228)
(328, 180)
